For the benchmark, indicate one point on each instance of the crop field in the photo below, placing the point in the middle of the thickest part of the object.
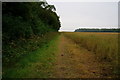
(104, 45)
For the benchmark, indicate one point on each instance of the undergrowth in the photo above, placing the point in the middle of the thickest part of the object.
(17, 50)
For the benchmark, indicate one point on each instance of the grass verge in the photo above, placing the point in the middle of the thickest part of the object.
(36, 64)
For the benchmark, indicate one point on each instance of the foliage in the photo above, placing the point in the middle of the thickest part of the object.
(97, 30)
(35, 62)
(21, 19)
(26, 27)
(16, 50)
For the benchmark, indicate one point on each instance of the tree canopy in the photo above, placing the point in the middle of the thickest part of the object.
(24, 19)
(97, 30)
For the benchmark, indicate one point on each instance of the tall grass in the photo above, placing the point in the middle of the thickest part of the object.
(104, 45)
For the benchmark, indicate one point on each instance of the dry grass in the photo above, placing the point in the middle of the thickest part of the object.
(104, 45)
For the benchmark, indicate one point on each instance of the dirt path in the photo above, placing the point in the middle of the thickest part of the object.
(74, 61)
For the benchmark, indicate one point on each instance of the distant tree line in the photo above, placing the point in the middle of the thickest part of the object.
(97, 30)
(25, 19)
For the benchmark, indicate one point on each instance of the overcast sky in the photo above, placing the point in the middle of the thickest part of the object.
(83, 14)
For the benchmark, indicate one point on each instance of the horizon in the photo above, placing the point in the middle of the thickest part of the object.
(77, 15)
(89, 28)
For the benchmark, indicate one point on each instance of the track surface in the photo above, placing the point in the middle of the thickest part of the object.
(74, 61)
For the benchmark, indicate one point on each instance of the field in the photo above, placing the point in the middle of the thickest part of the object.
(103, 45)
(71, 55)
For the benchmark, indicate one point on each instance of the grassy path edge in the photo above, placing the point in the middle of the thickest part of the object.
(38, 64)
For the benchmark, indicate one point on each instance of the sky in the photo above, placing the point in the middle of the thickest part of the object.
(86, 14)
